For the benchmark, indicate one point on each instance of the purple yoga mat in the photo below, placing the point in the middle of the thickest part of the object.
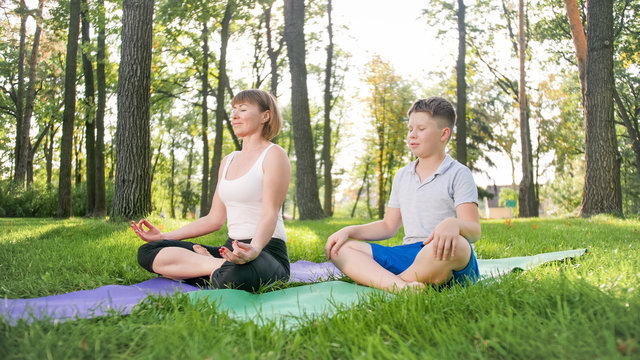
(87, 304)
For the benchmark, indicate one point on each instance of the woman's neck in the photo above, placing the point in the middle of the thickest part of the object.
(253, 143)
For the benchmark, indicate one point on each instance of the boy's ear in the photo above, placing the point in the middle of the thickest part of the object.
(446, 134)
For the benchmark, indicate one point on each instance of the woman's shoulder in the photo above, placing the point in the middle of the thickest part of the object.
(276, 157)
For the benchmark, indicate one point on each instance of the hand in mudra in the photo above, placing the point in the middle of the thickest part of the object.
(242, 253)
(152, 234)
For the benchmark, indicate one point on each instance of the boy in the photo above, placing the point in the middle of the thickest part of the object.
(436, 200)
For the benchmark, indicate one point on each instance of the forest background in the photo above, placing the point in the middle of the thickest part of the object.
(122, 108)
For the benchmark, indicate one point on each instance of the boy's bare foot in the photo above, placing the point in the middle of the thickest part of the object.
(201, 250)
(416, 285)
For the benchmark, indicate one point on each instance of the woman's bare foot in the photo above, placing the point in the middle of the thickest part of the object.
(201, 250)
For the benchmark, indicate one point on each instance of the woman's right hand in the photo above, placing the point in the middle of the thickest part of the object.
(152, 234)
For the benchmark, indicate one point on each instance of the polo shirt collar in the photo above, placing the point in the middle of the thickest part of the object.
(444, 166)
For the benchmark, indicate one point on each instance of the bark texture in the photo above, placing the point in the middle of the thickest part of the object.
(132, 193)
(66, 145)
(602, 191)
(306, 177)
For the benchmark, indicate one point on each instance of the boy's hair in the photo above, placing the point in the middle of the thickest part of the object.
(439, 108)
(265, 101)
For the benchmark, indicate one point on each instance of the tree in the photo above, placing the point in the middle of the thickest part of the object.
(220, 98)
(461, 86)
(89, 104)
(528, 204)
(602, 191)
(66, 147)
(99, 208)
(326, 138)
(388, 101)
(306, 177)
(132, 193)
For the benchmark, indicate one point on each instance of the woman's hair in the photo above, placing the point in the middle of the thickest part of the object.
(265, 101)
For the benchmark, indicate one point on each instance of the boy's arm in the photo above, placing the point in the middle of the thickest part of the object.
(377, 230)
(466, 224)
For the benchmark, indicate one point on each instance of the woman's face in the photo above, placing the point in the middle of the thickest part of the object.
(247, 119)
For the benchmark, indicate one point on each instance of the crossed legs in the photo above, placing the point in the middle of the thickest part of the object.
(355, 259)
(180, 263)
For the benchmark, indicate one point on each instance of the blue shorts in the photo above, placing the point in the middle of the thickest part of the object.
(398, 258)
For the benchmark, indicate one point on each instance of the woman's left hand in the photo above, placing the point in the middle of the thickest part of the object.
(242, 253)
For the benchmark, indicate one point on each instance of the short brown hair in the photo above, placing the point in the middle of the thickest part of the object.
(265, 101)
(437, 107)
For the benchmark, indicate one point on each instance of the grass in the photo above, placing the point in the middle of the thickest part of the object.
(583, 308)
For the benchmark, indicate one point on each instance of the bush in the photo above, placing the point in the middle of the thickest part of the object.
(42, 201)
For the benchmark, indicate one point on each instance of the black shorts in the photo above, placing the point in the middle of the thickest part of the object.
(270, 266)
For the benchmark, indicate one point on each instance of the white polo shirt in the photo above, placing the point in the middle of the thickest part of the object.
(423, 205)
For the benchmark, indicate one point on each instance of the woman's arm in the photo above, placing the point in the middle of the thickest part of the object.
(213, 221)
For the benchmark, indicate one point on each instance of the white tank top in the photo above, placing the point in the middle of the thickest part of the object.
(243, 199)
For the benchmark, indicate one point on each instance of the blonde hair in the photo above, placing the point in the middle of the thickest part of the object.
(265, 101)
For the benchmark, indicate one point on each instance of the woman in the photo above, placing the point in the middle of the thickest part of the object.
(252, 185)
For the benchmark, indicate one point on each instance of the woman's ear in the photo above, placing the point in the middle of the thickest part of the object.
(266, 116)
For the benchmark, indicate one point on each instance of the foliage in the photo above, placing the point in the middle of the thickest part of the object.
(388, 100)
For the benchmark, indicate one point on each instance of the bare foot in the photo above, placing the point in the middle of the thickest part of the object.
(201, 250)
(416, 285)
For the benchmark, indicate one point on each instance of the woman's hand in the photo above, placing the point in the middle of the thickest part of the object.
(242, 253)
(152, 234)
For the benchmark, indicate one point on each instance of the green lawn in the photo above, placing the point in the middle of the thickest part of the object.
(582, 309)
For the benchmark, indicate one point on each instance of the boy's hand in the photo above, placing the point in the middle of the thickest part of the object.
(444, 238)
(335, 242)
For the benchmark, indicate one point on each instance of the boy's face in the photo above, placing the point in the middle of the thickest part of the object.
(425, 136)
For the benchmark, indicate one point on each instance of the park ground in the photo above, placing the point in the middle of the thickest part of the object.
(582, 308)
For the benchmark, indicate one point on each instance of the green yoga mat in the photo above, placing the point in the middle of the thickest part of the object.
(293, 305)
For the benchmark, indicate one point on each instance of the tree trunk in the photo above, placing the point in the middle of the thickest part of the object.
(528, 206)
(132, 193)
(632, 130)
(220, 97)
(31, 94)
(602, 190)
(326, 139)
(381, 156)
(99, 208)
(579, 40)
(21, 138)
(89, 94)
(306, 177)
(204, 186)
(172, 182)
(49, 153)
(187, 192)
(68, 122)
(272, 52)
(364, 180)
(461, 85)
(78, 141)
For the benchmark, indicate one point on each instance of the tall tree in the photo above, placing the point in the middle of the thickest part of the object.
(99, 208)
(602, 191)
(132, 193)
(273, 51)
(528, 204)
(326, 138)
(21, 142)
(204, 186)
(388, 101)
(68, 122)
(220, 95)
(307, 196)
(89, 108)
(461, 87)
